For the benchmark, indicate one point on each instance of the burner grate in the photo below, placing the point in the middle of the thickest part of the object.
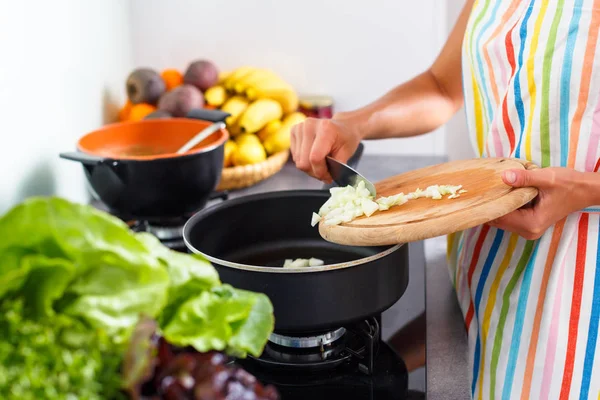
(371, 332)
(355, 345)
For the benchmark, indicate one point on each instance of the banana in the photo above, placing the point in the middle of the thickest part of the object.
(270, 128)
(276, 89)
(267, 84)
(252, 79)
(216, 95)
(236, 75)
(286, 97)
(235, 106)
(258, 114)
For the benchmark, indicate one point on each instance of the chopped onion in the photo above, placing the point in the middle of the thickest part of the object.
(369, 207)
(315, 262)
(315, 219)
(349, 202)
(302, 262)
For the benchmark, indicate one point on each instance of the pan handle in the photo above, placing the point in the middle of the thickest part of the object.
(207, 115)
(83, 158)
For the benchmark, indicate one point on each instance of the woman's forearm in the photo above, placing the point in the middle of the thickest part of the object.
(413, 108)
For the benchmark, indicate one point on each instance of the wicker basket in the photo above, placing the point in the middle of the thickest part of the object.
(247, 175)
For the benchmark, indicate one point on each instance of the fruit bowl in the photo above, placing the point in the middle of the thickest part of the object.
(242, 176)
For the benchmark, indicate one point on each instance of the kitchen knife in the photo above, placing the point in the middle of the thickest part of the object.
(343, 175)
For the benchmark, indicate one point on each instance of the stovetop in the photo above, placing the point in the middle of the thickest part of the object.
(380, 377)
(388, 381)
(350, 363)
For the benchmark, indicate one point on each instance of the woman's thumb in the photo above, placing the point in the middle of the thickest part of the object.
(519, 178)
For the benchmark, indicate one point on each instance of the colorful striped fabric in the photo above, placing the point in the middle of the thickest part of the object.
(531, 76)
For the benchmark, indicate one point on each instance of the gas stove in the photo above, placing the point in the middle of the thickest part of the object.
(350, 362)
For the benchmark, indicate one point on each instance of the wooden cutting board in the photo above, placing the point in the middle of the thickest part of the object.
(487, 198)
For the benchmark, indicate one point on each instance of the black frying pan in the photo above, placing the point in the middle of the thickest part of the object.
(247, 239)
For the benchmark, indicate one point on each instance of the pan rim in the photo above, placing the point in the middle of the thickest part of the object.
(280, 270)
(299, 270)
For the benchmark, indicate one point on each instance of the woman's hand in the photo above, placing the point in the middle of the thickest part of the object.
(561, 192)
(314, 139)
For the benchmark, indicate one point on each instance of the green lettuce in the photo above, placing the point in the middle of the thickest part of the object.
(55, 358)
(207, 315)
(66, 259)
(73, 259)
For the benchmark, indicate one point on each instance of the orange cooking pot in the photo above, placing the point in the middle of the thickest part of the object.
(133, 167)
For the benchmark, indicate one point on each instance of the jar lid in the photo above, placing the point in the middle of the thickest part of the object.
(315, 101)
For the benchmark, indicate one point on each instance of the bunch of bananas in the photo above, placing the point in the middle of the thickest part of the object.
(263, 109)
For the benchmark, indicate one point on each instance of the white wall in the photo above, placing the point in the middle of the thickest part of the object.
(62, 72)
(458, 146)
(343, 48)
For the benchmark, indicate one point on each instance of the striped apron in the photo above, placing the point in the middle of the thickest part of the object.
(531, 78)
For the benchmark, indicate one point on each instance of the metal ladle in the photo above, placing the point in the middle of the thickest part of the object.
(200, 136)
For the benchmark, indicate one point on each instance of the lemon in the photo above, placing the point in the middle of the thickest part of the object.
(216, 95)
(249, 153)
(279, 141)
(247, 138)
(230, 148)
(269, 129)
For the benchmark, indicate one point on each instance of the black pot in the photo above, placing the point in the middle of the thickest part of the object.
(247, 239)
(151, 186)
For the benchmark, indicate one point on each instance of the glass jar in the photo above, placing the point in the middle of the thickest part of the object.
(316, 106)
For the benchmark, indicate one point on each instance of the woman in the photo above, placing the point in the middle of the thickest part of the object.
(528, 283)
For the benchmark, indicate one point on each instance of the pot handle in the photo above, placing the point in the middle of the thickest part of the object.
(83, 158)
(208, 115)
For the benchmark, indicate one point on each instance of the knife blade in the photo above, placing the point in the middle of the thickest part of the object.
(343, 175)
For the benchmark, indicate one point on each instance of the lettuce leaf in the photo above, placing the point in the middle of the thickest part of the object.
(74, 259)
(46, 282)
(225, 319)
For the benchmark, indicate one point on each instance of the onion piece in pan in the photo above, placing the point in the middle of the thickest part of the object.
(303, 262)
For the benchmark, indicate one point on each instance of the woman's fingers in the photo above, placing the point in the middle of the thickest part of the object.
(314, 139)
(321, 147)
(523, 222)
(296, 135)
(307, 138)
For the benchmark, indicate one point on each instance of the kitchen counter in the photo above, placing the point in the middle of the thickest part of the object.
(446, 373)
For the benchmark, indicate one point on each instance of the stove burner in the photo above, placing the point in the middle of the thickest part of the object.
(307, 341)
(358, 343)
(358, 366)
